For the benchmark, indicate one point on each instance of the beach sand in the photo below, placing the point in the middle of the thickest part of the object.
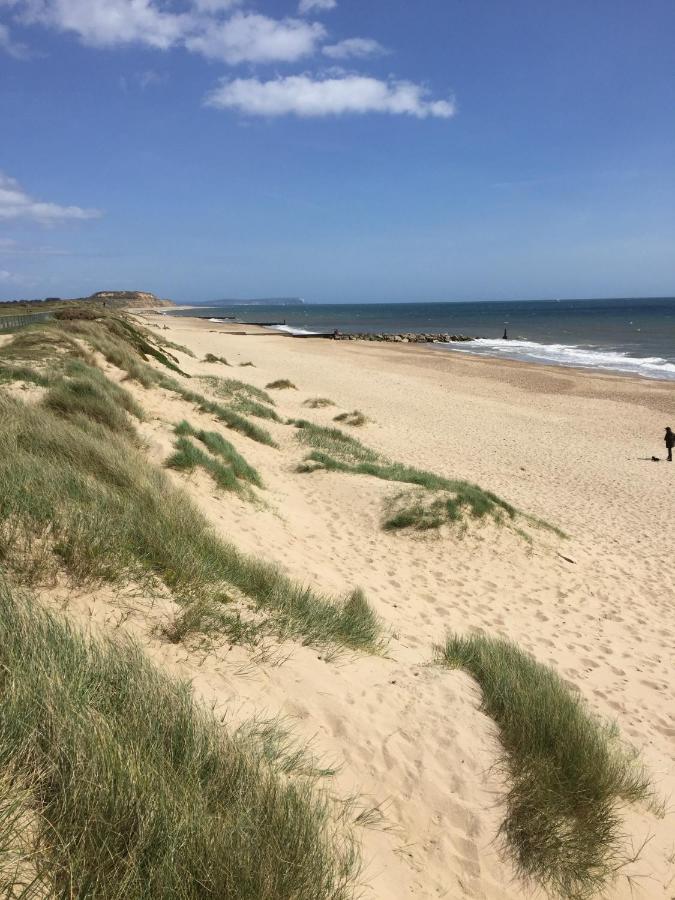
(570, 447)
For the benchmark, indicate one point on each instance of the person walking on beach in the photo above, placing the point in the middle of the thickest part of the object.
(670, 442)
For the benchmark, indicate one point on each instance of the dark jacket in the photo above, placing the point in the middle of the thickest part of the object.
(670, 439)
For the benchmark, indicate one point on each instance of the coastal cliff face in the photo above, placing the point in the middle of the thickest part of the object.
(129, 298)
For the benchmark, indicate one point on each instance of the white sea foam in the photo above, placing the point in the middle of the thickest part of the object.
(218, 321)
(570, 355)
(289, 329)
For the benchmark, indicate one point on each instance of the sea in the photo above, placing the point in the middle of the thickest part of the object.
(624, 336)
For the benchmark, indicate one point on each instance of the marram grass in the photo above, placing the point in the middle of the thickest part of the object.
(116, 784)
(77, 495)
(335, 451)
(568, 776)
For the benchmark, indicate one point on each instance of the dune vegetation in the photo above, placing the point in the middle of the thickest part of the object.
(242, 397)
(449, 501)
(212, 358)
(223, 462)
(355, 418)
(78, 495)
(567, 774)
(116, 784)
(281, 384)
(318, 402)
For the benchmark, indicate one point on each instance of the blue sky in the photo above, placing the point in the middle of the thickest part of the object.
(338, 150)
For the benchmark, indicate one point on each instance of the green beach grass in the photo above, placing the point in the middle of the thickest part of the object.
(223, 462)
(335, 451)
(117, 785)
(77, 495)
(567, 774)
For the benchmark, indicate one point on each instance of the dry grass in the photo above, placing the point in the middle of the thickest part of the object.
(281, 384)
(318, 402)
(355, 418)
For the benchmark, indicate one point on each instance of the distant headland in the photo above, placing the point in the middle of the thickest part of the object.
(259, 301)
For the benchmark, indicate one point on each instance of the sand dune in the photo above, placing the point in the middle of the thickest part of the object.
(409, 737)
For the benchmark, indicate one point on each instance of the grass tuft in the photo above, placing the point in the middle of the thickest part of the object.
(235, 390)
(26, 374)
(118, 786)
(567, 771)
(281, 384)
(217, 445)
(211, 358)
(230, 417)
(355, 418)
(347, 449)
(187, 457)
(424, 512)
(247, 363)
(336, 451)
(318, 402)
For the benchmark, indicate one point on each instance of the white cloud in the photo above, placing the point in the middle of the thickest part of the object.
(15, 203)
(102, 23)
(354, 47)
(304, 96)
(11, 47)
(249, 37)
(307, 6)
(211, 6)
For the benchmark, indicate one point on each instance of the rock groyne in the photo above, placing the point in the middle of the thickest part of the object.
(402, 338)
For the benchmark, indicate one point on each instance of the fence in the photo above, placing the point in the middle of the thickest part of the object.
(18, 321)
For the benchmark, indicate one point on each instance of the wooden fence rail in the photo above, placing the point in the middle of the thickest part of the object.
(9, 322)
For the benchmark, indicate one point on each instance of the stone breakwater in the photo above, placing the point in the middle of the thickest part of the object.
(406, 338)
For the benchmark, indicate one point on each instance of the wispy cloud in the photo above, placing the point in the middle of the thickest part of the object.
(301, 95)
(356, 47)
(310, 6)
(105, 23)
(143, 80)
(249, 37)
(211, 6)
(13, 48)
(10, 247)
(15, 203)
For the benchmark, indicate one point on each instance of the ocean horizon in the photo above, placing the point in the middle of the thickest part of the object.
(625, 336)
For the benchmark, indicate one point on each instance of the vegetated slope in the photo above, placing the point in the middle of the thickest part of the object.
(77, 492)
(113, 783)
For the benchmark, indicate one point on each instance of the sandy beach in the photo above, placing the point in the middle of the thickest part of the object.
(570, 447)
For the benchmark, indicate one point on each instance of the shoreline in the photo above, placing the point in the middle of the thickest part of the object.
(478, 359)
